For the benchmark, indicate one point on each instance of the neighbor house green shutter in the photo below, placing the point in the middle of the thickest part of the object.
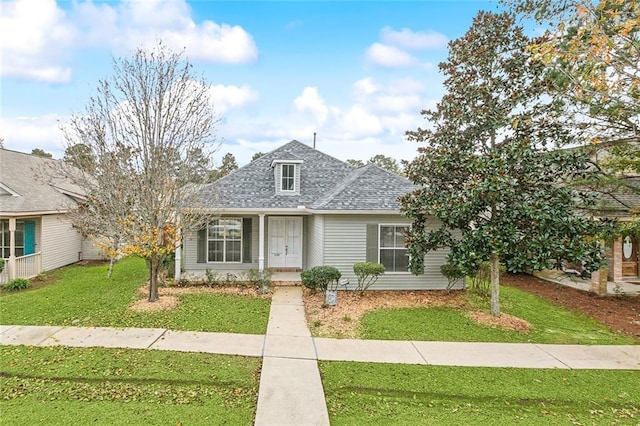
(372, 243)
(202, 245)
(29, 237)
(246, 239)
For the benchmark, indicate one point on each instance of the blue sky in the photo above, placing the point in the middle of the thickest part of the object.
(356, 72)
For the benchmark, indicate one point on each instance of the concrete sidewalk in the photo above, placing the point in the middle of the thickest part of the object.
(291, 391)
(520, 355)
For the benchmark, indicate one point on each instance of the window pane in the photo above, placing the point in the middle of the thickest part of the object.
(400, 230)
(233, 229)
(386, 236)
(215, 251)
(387, 259)
(216, 230)
(233, 251)
(401, 260)
(19, 235)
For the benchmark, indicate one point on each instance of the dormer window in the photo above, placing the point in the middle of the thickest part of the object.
(288, 180)
(286, 173)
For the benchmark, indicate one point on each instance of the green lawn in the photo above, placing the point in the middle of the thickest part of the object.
(65, 386)
(377, 394)
(550, 324)
(83, 296)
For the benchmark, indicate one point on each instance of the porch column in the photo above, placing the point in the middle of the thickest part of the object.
(261, 242)
(599, 279)
(617, 259)
(12, 248)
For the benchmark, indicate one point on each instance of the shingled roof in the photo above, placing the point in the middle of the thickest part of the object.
(326, 183)
(22, 192)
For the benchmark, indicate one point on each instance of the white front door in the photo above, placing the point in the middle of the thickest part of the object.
(285, 242)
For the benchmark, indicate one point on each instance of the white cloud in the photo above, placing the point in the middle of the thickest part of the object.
(38, 37)
(389, 56)
(310, 100)
(34, 34)
(229, 97)
(392, 49)
(366, 86)
(26, 133)
(357, 123)
(407, 39)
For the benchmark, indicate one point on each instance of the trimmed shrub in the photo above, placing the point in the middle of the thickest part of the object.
(453, 274)
(321, 278)
(367, 274)
(17, 284)
(1, 264)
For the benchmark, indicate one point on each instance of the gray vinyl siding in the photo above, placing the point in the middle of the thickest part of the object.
(345, 244)
(315, 241)
(90, 251)
(190, 254)
(60, 244)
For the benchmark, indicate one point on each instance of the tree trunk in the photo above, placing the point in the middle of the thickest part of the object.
(495, 285)
(153, 278)
(112, 262)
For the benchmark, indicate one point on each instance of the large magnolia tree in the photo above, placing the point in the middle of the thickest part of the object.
(489, 171)
(147, 129)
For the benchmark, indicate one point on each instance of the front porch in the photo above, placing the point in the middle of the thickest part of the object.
(18, 248)
(21, 267)
(279, 278)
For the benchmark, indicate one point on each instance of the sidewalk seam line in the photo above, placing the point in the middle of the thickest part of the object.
(418, 351)
(552, 356)
(158, 338)
(51, 335)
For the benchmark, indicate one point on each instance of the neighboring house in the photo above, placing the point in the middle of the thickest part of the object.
(295, 208)
(35, 234)
(620, 201)
(623, 254)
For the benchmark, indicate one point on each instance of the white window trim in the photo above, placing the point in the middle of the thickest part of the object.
(224, 252)
(380, 225)
(295, 181)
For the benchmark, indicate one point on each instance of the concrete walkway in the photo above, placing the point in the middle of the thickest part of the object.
(291, 390)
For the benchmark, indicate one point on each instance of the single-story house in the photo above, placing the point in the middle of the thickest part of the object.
(35, 232)
(295, 208)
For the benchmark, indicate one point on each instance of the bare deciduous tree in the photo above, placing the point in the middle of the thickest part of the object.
(146, 128)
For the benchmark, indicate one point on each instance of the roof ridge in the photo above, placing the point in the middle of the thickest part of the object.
(341, 186)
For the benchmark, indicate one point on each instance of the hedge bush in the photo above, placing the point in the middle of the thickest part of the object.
(367, 273)
(321, 278)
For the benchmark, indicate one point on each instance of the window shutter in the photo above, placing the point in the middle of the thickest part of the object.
(372, 243)
(246, 239)
(202, 245)
(29, 237)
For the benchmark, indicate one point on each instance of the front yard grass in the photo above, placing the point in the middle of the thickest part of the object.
(84, 296)
(65, 386)
(392, 394)
(550, 324)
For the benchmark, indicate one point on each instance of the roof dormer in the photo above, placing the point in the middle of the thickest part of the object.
(286, 173)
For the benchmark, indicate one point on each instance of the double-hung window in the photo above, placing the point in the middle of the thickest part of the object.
(393, 254)
(288, 178)
(224, 240)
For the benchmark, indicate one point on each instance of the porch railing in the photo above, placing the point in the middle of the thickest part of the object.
(24, 267)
